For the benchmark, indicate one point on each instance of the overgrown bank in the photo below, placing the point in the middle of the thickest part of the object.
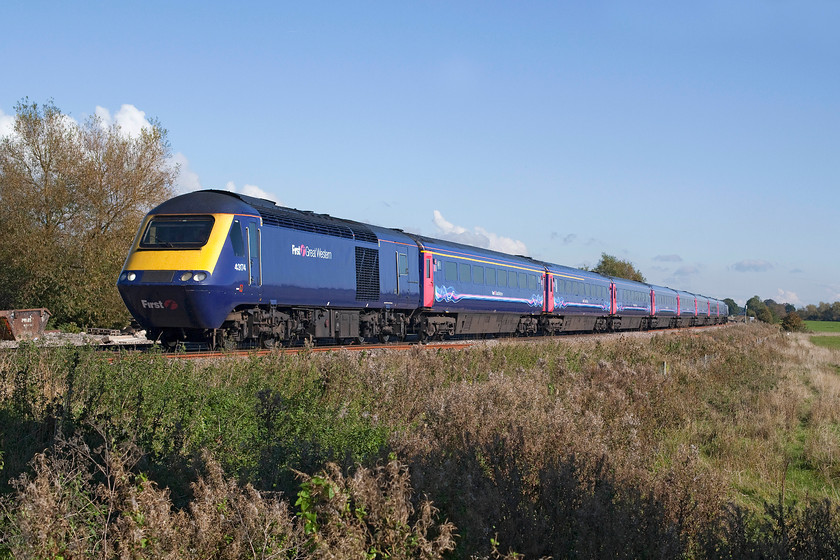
(670, 445)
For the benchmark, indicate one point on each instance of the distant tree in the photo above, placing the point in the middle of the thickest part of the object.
(809, 312)
(71, 198)
(758, 309)
(734, 308)
(793, 322)
(612, 266)
(778, 310)
(765, 315)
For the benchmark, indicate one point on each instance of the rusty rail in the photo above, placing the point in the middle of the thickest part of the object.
(23, 324)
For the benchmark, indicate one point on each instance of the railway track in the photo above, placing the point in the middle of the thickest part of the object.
(56, 340)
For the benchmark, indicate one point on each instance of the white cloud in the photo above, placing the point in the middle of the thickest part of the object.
(187, 178)
(478, 237)
(668, 258)
(252, 190)
(129, 118)
(788, 297)
(7, 124)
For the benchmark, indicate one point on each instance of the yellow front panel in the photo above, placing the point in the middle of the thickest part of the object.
(194, 259)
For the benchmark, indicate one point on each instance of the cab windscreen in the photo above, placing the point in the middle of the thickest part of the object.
(177, 232)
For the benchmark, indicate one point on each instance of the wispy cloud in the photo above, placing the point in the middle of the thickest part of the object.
(687, 270)
(564, 239)
(668, 258)
(188, 180)
(479, 237)
(752, 265)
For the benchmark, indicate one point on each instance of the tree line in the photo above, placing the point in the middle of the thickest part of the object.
(72, 196)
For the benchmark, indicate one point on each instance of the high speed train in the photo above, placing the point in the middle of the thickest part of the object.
(221, 268)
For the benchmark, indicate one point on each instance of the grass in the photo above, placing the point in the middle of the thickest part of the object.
(823, 326)
(832, 342)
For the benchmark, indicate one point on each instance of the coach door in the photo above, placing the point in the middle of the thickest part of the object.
(402, 273)
(254, 242)
(428, 281)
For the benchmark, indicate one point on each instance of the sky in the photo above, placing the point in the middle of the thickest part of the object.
(697, 140)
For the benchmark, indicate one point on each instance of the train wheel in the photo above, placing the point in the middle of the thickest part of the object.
(384, 338)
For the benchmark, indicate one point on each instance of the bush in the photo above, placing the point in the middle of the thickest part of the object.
(792, 322)
(88, 503)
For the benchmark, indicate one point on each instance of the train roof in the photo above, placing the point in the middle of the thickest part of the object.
(217, 201)
(562, 270)
(210, 202)
(433, 244)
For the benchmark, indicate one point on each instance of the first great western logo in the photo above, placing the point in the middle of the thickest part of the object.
(311, 252)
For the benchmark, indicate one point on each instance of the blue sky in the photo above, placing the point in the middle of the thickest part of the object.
(698, 140)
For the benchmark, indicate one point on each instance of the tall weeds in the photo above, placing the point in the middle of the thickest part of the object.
(697, 444)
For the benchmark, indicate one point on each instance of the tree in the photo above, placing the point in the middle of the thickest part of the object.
(758, 309)
(612, 266)
(71, 198)
(734, 308)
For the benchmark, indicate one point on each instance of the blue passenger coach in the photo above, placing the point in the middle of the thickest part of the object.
(665, 309)
(631, 304)
(468, 290)
(577, 300)
(688, 309)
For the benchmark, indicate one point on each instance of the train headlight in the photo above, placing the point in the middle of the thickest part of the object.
(186, 276)
(199, 276)
(131, 277)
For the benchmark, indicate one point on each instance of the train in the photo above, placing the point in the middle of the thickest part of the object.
(219, 268)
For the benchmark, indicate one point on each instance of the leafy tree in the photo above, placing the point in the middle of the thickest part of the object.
(764, 315)
(734, 308)
(758, 309)
(777, 310)
(612, 266)
(71, 198)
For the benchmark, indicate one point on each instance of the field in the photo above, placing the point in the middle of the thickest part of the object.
(823, 326)
(704, 444)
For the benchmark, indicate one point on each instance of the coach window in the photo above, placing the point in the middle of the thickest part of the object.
(532, 282)
(478, 274)
(450, 271)
(490, 277)
(236, 240)
(523, 280)
(403, 264)
(465, 272)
